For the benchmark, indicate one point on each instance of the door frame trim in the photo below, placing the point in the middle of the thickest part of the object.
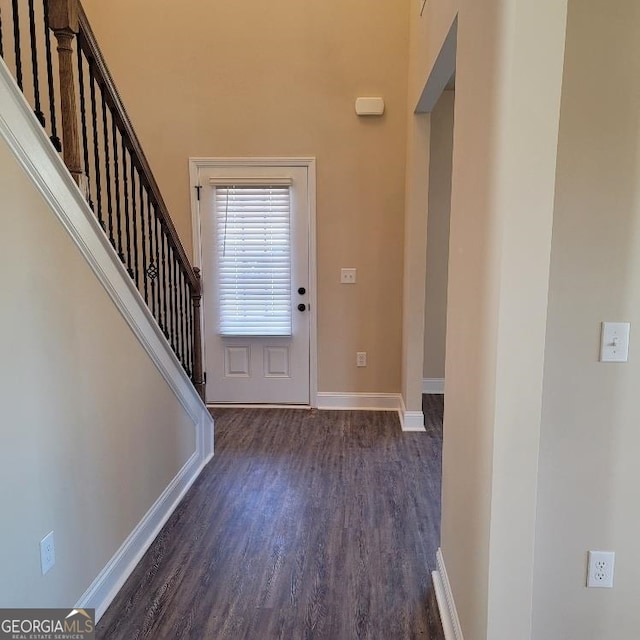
(197, 163)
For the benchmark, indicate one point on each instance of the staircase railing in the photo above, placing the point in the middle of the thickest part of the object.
(104, 156)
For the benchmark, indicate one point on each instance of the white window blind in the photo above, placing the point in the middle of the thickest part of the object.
(254, 259)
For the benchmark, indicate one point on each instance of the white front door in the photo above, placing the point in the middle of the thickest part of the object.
(255, 278)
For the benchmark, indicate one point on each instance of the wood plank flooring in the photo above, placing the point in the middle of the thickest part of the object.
(305, 525)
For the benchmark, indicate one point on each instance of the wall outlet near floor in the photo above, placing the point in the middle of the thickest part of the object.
(47, 553)
(361, 359)
(600, 570)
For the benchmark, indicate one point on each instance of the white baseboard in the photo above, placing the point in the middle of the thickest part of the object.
(433, 385)
(410, 420)
(110, 580)
(239, 405)
(446, 604)
(359, 401)
(31, 147)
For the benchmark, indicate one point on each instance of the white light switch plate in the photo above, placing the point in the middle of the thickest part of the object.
(347, 276)
(614, 342)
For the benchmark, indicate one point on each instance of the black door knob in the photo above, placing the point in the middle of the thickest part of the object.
(302, 291)
(302, 307)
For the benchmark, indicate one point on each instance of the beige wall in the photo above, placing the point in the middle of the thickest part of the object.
(435, 316)
(505, 140)
(280, 79)
(589, 472)
(91, 434)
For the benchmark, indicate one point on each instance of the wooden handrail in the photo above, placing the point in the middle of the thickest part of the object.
(89, 45)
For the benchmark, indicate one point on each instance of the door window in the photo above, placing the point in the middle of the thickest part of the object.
(253, 257)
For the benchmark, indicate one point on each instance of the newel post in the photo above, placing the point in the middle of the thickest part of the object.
(198, 378)
(64, 22)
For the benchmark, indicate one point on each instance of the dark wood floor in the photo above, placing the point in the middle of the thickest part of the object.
(306, 525)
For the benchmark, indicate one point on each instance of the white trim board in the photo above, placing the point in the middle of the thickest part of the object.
(195, 164)
(234, 405)
(433, 385)
(31, 147)
(443, 70)
(410, 420)
(446, 604)
(359, 401)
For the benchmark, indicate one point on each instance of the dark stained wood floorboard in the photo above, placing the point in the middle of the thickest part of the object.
(305, 525)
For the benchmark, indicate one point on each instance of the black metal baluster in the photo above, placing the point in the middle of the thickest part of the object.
(143, 243)
(155, 294)
(167, 292)
(184, 299)
(188, 307)
(116, 178)
(189, 316)
(134, 224)
(83, 118)
(16, 41)
(107, 162)
(157, 227)
(174, 298)
(181, 311)
(162, 283)
(158, 290)
(170, 305)
(167, 287)
(177, 285)
(183, 321)
(186, 302)
(127, 223)
(153, 265)
(55, 140)
(185, 314)
(192, 340)
(96, 150)
(166, 261)
(34, 65)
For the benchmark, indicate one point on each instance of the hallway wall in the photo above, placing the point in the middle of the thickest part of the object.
(589, 472)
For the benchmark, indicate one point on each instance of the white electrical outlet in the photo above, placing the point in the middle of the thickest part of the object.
(600, 571)
(47, 553)
(361, 359)
(347, 276)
